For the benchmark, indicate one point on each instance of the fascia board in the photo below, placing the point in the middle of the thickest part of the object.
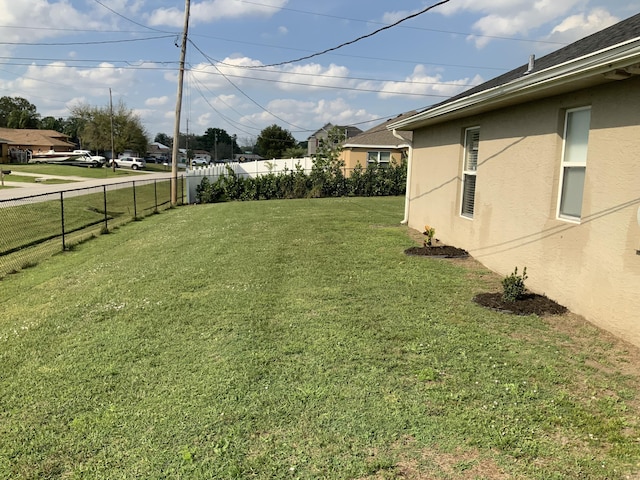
(354, 145)
(619, 56)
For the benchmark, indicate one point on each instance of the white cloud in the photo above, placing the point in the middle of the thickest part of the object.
(421, 83)
(290, 78)
(58, 83)
(506, 18)
(579, 26)
(210, 11)
(157, 101)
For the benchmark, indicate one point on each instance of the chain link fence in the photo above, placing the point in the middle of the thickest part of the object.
(35, 227)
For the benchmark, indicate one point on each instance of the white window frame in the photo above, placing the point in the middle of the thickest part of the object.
(574, 163)
(378, 158)
(469, 170)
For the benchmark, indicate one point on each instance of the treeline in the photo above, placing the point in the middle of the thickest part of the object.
(323, 181)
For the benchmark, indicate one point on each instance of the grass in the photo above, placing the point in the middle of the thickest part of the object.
(294, 339)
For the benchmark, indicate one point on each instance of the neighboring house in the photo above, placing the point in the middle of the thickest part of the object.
(5, 146)
(323, 133)
(159, 151)
(377, 145)
(37, 140)
(540, 167)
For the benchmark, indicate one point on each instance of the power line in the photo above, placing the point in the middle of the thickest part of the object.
(331, 87)
(239, 89)
(337, 17)
(336, 77)
(234, 124)
(362, 37)
(129, 19)
(102, 42)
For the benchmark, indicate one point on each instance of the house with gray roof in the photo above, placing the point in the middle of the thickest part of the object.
(378, 145)
(313, 142)
(540, 168)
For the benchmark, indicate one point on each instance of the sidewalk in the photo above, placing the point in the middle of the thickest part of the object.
(31, 189)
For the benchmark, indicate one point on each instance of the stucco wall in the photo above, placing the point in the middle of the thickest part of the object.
(592, 266)
(353, 156)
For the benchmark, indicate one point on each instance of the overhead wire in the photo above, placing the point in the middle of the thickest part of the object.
(358, 39)
(264, 109)
(373, 22)
(65, 44)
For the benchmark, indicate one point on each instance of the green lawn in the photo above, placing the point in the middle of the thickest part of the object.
(295, 340)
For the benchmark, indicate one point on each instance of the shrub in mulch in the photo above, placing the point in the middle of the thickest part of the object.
(438, 251)
(527, 304)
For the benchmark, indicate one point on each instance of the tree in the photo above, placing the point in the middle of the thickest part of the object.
(164, 139)
(52, 123)
(17, 112)
(219, 143)
(273, 141)
(295, 152)
(95, 133)
(73, 126)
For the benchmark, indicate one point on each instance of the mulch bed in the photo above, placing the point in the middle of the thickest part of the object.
(439, 251)
(528, 304)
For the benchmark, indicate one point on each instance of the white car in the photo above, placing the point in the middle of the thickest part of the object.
(134, 163)
(199, 162)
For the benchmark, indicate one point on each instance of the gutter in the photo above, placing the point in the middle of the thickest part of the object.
(409, 145)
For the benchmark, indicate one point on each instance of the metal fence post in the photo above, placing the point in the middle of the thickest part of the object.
(135, 210)
(64, 247)
(104, 192)
(155, 195)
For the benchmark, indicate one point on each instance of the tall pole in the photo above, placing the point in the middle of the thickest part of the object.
(176, 129)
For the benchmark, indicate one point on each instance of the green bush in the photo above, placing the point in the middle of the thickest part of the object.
(327, 179)
(513, 285)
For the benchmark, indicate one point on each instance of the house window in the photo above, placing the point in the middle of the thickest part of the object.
(574, 162)
(469, 168)
(381, 158)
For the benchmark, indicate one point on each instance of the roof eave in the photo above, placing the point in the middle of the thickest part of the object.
(578, 73)
(388, 147)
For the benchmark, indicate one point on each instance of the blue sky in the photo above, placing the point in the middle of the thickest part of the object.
(59, 53)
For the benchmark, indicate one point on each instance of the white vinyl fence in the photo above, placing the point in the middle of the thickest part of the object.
(254, 169)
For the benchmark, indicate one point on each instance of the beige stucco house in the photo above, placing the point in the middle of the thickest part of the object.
(540, 167)
(377, 145)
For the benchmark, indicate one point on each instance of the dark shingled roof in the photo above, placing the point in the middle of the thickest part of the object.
(380, 135)
(625, 30)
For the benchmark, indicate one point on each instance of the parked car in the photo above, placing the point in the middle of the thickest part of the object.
(199, 162)
(134, 163)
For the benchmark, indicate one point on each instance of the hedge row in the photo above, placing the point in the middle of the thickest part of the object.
(320, 182)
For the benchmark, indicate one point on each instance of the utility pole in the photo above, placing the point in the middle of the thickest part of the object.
(176, 129)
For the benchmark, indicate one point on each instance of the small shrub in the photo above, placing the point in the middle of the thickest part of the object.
(513, 285)
(429, 232)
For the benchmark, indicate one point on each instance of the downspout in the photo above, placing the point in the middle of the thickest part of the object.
(409, 164)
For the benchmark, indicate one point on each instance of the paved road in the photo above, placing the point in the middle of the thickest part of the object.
(29, 189)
